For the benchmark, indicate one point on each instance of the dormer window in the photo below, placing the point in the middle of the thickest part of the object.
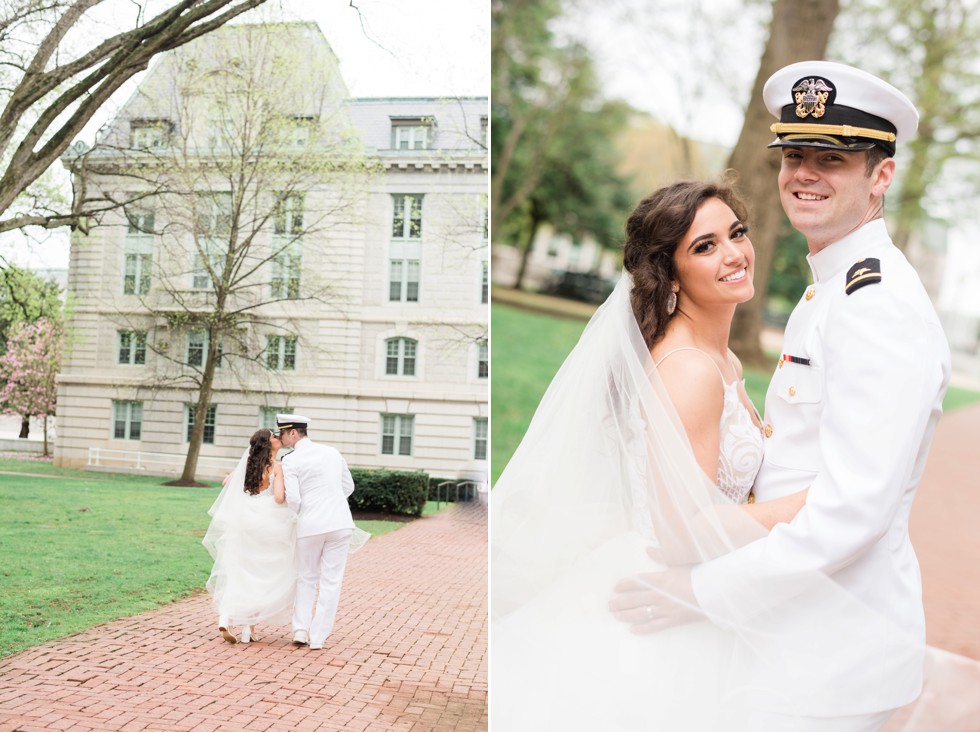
(150, 134)
(411, 133)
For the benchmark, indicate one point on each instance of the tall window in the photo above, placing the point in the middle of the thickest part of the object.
(404, 280)
(286, 269)
(287, 264)
(400, 357)
(406, 222)
(480, 438)
(485, 265)
(138, 250)
(190, 410)
(127, 420)
(280, 353)
(411, 134)
(212, 230)
(299, 130)
(406, 248)
(483, 366)
(396, 434)
(132, 347)
(197, 348)
(267, 416)
(150, 134)
(288, 218)
(485, 286)
(219, 130)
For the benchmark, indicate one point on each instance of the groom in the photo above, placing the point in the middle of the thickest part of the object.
(318, 483)
(852, 406)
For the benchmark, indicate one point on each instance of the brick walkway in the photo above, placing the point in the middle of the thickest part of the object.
(409, 652)
(944, 533)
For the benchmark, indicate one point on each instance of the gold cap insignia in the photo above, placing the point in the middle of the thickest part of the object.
(811, 97)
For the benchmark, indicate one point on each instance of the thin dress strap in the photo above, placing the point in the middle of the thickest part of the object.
(692, 348)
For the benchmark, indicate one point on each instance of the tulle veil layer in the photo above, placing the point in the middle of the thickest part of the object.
(604, 472)
(253, 542)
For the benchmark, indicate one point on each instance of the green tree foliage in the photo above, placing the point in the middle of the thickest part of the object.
(928, 49)
(553, 156)
(26, 297)
(790, 273)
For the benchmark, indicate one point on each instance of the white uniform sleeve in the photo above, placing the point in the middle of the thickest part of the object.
(882, 375)
(291, 479)
(346, 480)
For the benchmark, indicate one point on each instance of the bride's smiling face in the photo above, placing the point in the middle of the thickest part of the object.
(715, 259)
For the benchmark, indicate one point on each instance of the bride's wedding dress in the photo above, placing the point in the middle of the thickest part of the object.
(561, 652)
(253, 541)
(606, 472)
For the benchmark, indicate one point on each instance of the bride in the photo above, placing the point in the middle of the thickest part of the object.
(252, 538)
(640, 459)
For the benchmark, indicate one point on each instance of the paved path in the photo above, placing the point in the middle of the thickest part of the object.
(409, 653)
(944, 529)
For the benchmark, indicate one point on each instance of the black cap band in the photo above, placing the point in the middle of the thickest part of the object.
(835, 116)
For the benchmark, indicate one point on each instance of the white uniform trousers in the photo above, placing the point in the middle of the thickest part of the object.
(322, 558)
(756, 721)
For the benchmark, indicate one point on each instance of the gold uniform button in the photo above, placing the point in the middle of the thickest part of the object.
(768, 430)
(810, 293)
(792, 391)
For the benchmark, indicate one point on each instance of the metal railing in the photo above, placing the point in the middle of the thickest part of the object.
(468, 489)
(156, 462)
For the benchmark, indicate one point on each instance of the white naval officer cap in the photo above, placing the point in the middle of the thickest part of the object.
(289, 421)
(830, 105)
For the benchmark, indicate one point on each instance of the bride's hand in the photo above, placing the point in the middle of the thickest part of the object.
(655, 601)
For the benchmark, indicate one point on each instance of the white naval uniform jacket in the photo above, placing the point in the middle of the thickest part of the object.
(318, 482)
(854, 425)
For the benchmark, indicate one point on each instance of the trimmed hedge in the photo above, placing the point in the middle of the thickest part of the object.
(389, 491)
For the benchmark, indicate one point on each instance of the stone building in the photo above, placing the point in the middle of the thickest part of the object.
(345, 278)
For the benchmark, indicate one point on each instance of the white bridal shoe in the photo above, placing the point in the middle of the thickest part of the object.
(246, 634)
(301, 638)
(227, 634)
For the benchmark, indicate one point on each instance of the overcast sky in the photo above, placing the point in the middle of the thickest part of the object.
(389, 48)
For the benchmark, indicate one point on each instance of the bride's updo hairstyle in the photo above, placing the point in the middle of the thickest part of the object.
(259, 457)
(653, 231)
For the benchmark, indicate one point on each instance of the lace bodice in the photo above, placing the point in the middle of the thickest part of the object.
(741, 447)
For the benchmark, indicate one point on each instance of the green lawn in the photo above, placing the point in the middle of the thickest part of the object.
(527, 349)
(81, 548)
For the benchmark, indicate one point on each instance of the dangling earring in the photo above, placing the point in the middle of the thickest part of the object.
(671, 302)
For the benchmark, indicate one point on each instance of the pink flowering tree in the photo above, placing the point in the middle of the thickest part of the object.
(29, 368)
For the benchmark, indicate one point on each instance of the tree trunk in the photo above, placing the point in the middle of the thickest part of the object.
(799, 31)
(45, 435)
(526, 254)
(25, 427)
(201, 411)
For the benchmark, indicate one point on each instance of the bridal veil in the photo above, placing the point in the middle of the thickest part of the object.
(604, 474)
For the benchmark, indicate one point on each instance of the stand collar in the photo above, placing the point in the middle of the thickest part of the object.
(835, 257)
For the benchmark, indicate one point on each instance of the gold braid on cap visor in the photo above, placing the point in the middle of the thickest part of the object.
(843, 130)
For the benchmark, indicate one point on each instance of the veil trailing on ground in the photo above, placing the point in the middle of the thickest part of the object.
(604, 474)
